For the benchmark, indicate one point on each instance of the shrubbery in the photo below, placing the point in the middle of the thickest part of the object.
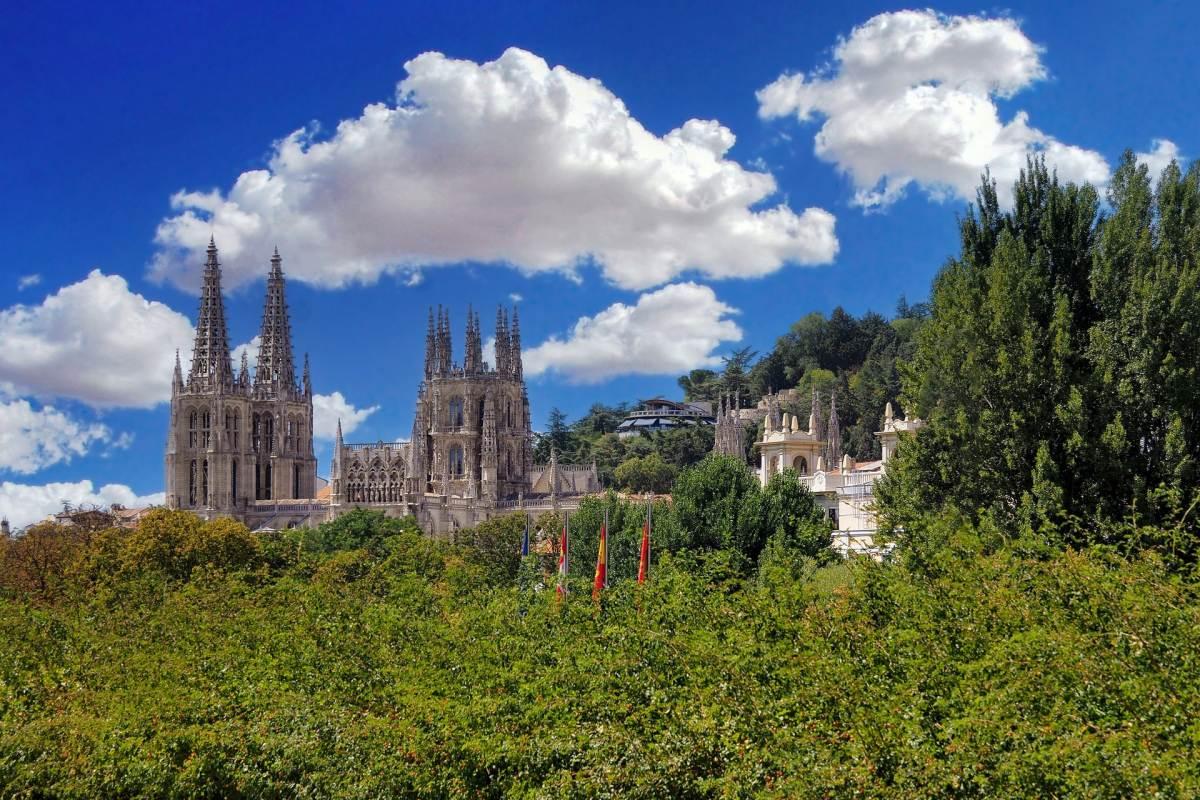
(401, 666)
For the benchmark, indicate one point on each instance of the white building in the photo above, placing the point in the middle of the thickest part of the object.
(845, 489)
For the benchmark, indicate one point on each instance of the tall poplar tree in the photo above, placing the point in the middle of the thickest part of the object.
(1057, 369)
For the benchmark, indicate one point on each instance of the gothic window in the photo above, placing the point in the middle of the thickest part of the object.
(295, 481)
(193, 424)
(233, 487)
(300, 448)
(267, 482)
(456, 460)
(269, 432)
(192, 484)
(205, 426)
(204, 484)
(289, 436)
(456, 412)
(232, 424)
(256, 433)
(800, 465)
(509, 471)
(508, 412)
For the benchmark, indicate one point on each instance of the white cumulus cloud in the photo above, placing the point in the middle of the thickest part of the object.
(671, 330)
(35, 438)
(23, 504)
(94, 341)
(329, 408)
(910, 99)
(1162, 152)
(507, 162)
(249, 349)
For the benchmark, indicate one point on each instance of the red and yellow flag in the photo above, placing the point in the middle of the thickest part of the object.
(644, 559)
(563, 562)
(601, 580)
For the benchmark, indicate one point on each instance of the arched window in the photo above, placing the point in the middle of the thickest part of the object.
(192, 484)
(233, 487)
(193, 427)
(269, 433)
(267, 482)
(232, 423)
(800, 464)
(508, 412)
(295, 481)
(205, 428)
(204, 484)
(456, 461)
(456, 412)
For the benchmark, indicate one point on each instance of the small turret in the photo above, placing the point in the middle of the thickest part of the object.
(307, 377)
(177, 378)
(244, 378)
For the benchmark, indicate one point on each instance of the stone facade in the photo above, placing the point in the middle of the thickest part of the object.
(239, 444)
(470, 456)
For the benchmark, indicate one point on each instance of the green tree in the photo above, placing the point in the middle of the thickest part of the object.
(647, 474)
(700, 385)
(716, 504)
(1057, 368)
(790, 516)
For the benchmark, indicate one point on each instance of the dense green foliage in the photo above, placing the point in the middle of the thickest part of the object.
(1058, 369)
(719, 503)
(592, 439)
(409, 669)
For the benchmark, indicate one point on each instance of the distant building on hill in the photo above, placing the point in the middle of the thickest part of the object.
(843, 487)
(661, 414)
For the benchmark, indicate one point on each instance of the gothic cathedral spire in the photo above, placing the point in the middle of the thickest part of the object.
(514, 345)
(430, 348)
(502, 341)
(474, 358)
(211, 367)
(275, 370)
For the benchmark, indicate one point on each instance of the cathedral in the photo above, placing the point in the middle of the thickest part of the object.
(242, 446)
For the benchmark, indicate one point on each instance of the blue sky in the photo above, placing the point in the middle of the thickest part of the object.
(670, 248)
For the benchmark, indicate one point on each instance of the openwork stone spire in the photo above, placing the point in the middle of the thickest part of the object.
(211, 367)
(430, 348)
(514, 345)
(502, 341)
(275, 370)
(834, 432)
(474, 357)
